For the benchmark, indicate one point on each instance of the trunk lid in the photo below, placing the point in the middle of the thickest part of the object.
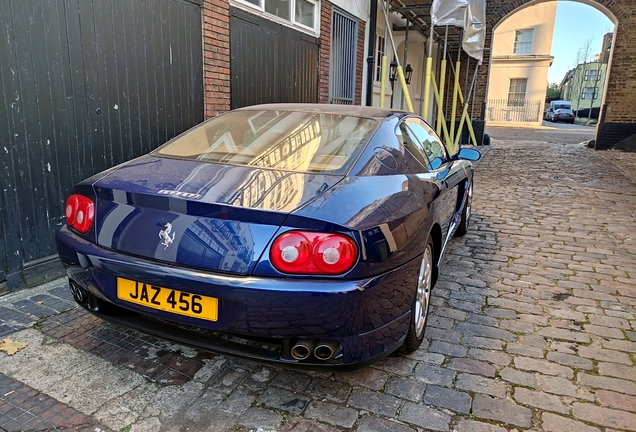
(201, 215)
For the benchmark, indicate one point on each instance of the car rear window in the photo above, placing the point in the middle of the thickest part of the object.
(288, 140)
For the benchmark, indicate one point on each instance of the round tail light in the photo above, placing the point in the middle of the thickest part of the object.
(80, 213)
(309, 252)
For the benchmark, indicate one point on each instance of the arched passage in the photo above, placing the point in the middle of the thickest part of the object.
(617, 123)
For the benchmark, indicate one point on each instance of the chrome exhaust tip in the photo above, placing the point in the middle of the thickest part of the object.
(303, 349)
(325, 349)
(77, 292)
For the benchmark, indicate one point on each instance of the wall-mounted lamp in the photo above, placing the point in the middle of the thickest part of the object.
(392, 77)
(393, 71)
(408, 73)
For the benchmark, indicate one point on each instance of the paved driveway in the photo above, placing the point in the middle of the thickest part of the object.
(556, 133)
(532, 328)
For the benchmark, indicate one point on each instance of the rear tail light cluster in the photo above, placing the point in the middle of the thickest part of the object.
(307, 252)
(80, 212)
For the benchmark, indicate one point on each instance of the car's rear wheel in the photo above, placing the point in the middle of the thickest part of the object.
(466, 213)
(421, 301)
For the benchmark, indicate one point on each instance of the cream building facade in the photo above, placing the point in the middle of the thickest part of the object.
(519, 66)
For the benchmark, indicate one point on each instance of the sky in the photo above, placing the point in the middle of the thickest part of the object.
(575, 23)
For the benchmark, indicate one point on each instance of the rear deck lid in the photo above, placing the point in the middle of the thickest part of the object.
(201, 215)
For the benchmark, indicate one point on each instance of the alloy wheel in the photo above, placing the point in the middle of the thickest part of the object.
(469, 203)
(424, 281)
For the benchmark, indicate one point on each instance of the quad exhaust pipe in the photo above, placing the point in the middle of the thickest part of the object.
(323, 350)
(83, 297)
(77, 292)
(303, 349)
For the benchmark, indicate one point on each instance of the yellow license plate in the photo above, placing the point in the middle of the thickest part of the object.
(168, 300)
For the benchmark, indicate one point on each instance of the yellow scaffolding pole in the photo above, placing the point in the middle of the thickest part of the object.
(427, 87)
(427, 81)
(456, 89)
(440, 100)
(437, 98)
(405, 89)
(461, 124)
(383, 82)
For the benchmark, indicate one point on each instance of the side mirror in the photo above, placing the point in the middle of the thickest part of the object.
(468, 153)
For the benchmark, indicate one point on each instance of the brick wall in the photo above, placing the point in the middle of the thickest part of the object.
(216, 56)
(360, 78)
(616, 135)
(325, 46)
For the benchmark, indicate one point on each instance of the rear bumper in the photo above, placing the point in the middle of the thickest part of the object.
(564, 118)
(368, 318)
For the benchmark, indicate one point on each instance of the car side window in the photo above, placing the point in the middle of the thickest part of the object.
(409, 142)
(430, 144)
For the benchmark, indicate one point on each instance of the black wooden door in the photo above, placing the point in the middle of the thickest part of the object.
(85, 85)
(270, 62)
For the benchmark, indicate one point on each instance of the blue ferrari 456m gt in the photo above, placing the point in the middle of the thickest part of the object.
(300, 234)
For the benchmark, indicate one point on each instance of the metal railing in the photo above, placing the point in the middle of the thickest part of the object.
(514, 110)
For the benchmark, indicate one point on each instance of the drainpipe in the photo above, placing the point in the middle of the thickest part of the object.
(373, 17)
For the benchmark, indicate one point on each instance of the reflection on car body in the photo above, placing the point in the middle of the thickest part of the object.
(308, 235)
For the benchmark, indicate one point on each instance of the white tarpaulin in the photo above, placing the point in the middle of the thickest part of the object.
(475, 29)
(449, 12)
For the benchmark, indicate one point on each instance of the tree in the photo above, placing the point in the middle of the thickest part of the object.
(552, 93)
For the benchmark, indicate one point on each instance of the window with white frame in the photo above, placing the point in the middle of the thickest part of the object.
(589, 93)
(523, 41)
(299, 12)
(592, 75)
(379, 53)
(517, 92)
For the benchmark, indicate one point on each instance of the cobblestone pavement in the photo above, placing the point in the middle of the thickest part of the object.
(532, 328)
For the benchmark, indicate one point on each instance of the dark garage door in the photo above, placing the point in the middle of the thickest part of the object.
(85, 85)
(270, 62)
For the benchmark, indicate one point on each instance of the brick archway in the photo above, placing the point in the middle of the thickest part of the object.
(617, 124)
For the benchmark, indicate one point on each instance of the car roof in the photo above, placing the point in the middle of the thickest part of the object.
(354, 110)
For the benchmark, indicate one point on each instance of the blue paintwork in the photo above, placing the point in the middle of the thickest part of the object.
(222, 221)
(222, 228)
(250, 305)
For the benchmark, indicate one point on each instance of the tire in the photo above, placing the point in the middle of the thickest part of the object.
(421, 301)
(462, 229)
